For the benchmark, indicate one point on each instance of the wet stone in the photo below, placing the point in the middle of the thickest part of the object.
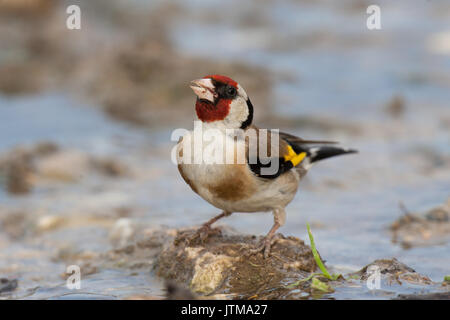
(428, 296)
(176, 292)
(422, 229)
(392, 272)
(14, 223)
(18, 174)
(24, 168)
(219, 264)
(396, 107)
(7, 285)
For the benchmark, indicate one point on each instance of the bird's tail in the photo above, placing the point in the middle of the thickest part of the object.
(323, 152)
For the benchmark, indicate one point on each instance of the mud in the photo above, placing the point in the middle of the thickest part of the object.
(7, 285)
(422, 229)
(175, 291)
(135, 74)
(430, 296)
(396, 107)
(24, 168)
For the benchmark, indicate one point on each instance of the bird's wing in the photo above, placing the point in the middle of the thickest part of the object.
(289, 155)
(297, 140)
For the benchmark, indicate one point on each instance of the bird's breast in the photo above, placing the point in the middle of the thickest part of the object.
(233, 187)
(211, 172)
(219, 181)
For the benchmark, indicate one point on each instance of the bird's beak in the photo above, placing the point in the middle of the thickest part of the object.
(204, 89)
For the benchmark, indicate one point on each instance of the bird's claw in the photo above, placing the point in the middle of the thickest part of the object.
(202, 234)
(264, 246)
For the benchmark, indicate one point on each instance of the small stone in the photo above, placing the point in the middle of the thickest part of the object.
(393, 271)
(47, 223)
(65, 166)
(175, 291)
(121, 232)
(7, 285)
(396, 107)
(422, 229)
(18, 173)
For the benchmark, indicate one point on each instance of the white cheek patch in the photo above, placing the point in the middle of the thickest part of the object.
(242, 92)
(238, 113)
(238, 109)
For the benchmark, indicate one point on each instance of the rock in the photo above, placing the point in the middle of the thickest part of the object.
(7, 285)
(18, 172)
(33, 7)
(68, 165)
(15, 223)
(219, 265)
(428, 296)
(27, 167)
(209, 270)
(44, 148)
(48, 222)
(175, 291)
(396, 106)
(414, 229)
(392, 271)
(440, 214)
(121, 232)
(109, 167)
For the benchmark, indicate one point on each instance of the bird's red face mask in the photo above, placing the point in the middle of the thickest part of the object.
(220, 98)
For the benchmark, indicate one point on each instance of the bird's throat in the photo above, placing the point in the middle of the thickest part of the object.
(209, 112)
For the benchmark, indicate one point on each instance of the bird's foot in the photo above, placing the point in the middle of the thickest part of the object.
(264, 246)
(202, 234)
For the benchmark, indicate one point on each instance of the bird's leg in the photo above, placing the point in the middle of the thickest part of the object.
(205, 230)
(279, 218)
(266, 243)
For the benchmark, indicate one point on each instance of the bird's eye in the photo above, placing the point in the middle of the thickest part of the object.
(231, 91)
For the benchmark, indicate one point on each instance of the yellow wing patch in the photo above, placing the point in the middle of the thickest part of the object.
(293, 157)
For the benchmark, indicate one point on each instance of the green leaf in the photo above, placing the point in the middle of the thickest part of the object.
(447, 278)
(296, 283)
(319, 285)
(316, 254)
(320, 264)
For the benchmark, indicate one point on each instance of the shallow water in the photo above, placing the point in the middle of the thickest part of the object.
(350, 202)
(349, 217)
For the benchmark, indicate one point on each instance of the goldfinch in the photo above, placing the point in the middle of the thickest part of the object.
(264, 179)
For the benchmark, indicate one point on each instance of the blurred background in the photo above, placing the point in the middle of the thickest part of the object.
(86, 118)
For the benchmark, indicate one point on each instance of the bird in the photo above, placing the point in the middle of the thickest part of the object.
(258, 181)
